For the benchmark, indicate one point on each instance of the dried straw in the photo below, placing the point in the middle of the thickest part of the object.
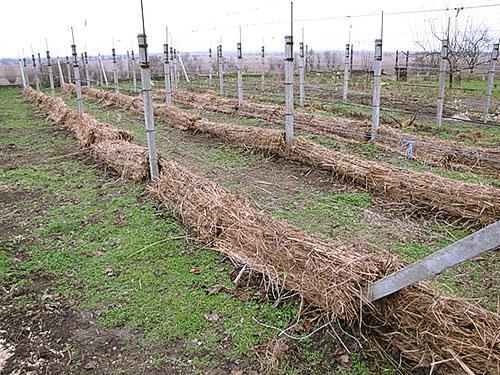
(447, 334)
(439, 153)
(128, 159)
(480, 203)
(422, 323)
(106, 142)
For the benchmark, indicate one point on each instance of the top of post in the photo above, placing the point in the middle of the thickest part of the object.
(165, 52)
(494, 54)
(143, 50)
(444, 48)
(238, 47)
(289, 48)
(378, 50)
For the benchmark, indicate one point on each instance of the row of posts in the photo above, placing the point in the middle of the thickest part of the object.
(377, 79)
(174, 71)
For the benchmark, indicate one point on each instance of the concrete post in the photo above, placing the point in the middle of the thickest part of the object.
(25, 70)
(262, 71)
(101, 80)
(491, 77)
(345, 88)
(176, 68)
(240, 74)
(172, 75)
(210, 67)
(86, 65)
(23, 76)
(442, 76)
(166, 70)
(101, 65)
(61, 75)
(68, 69)
(301, 75)
(221, 70)
(35, 73)
(76, 68)
(115, 71)
(40, 67)
(148, 107)
(128, 65)
(377, 78)
(288, 89)
(51, 76)
(183, 67)
(134, 74)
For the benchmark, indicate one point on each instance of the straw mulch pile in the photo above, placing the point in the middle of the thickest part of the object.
(425, 326)
(288, 255)
(107, 144)
(427, 150)
(479, 203)
(128, 159)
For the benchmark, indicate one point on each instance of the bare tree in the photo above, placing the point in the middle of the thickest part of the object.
(473, 44)
(467, 44)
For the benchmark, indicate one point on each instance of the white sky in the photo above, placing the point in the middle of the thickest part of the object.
(196, 25)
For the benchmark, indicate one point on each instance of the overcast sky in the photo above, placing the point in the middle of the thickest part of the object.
(196, 25)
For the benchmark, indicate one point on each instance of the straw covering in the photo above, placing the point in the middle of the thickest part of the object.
(480, 203)
(110, 145)
(428, 150)
(447, 333)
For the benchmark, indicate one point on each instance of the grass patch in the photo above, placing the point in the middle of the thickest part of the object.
(327, 214)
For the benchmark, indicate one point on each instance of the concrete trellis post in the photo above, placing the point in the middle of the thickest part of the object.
(176, 68)
(240, 74)
(40, 67)
(35, 73)
(134, 74)
(301, 75)
(86, 65)
(491, 77)
(76, 68)
(101, 66)
(172, 72)
(25, 70)
(262, 69)
(377, 77)
(210, 67)
(68, 69)
(61, 75)
(148, 107)
(442, 73)
(166, 70)
(51, 76)
(221, 70)
(115, 71)
(345, 88)
(128, 65)
(23, 76)
(101, 80)
(183, 67)
(288, 89)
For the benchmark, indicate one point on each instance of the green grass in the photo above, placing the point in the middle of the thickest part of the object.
(109, 249)
(327, 214)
